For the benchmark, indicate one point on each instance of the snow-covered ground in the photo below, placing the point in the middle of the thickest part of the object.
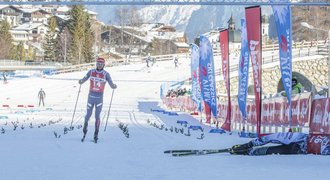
(35, 153)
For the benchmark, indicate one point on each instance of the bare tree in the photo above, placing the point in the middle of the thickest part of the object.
(128, 36)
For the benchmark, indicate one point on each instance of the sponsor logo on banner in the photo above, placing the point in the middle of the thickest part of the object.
(320, 120)
(224, 47)
(207, 76)
(243, 71)
(253, 29)
(196, 87)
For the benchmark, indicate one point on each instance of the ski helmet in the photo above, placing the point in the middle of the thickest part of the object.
(100, 62)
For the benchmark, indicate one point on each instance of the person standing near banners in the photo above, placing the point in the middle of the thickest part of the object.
(42, 96)
(98, 78)
(297, 88)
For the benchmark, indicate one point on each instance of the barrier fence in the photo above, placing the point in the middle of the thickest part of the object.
(307, 115)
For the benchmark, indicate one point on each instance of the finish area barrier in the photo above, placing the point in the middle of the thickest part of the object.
(307, 114)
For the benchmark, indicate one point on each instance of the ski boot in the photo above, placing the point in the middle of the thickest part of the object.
(242, 149)
(85, 132)
(95, 137)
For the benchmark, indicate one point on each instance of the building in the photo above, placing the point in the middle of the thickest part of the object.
(139, 40)
(35, 15)
(34, 32)
(11, 14)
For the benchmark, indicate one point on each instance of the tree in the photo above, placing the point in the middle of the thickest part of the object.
(156, 47)
(20, 52)
(89, 39)
(82, 35)
(49, 44)
(128, 17)
(63, 45)
(6, 41)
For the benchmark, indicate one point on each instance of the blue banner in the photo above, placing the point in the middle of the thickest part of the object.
(282, 14)
(243, 71)
(206, 66)
(196, 88)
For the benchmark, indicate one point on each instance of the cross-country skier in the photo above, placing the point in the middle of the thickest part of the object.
(42, 96)
(289, 143)
(98, 78)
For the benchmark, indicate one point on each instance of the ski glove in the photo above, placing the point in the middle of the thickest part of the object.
(113, 86)
(80, 81)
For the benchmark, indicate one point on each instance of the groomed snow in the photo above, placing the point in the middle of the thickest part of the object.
(35, 153)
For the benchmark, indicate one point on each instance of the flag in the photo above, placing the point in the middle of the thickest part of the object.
(206, 66)
(224, 47)
(253, 31)
(195, 89)
(282, 14)
(243, 71)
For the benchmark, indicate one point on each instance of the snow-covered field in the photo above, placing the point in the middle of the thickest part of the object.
(34, 152)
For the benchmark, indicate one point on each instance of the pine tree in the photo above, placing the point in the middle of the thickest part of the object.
(77, 29)
(80, 23)
(6, 40)
(49, 44)
(89, 39)
(20, 52)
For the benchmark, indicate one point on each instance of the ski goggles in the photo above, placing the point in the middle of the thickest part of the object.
(99, 64)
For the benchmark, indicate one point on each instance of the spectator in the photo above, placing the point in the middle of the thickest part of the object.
(176, 61)
(296, 87)
(42, 96)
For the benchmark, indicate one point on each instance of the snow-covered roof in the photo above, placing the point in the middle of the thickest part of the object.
(18, 32)
(90, 12)
(63, 9)
(64, 17)
(3, 6)
(28, 10)
(182, 44)
(27, 26)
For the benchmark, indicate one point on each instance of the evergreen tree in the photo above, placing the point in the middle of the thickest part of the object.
(81, 50)
(6, 41)
(77, 29)
(20, 52)
(49, 44)
(89, 39)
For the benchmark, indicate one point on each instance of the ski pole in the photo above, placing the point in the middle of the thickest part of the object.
(74, 111)
(106, 123)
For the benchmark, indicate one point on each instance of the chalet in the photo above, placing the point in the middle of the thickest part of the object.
(29, 32)
(11, 14)
(35, 15)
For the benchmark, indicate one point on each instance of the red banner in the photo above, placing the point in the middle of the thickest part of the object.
(224, 47)
(318, 144)
(253, 29)
(320, 120)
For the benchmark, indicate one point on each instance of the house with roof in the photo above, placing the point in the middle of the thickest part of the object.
(11, 14)
(34, 32)
(141, 39)
(35, 15)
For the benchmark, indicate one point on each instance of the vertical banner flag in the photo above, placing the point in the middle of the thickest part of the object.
(253, 30)
(195, 89)
(206, 66)
(243, 72)
(282, 14)
(224, 47)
